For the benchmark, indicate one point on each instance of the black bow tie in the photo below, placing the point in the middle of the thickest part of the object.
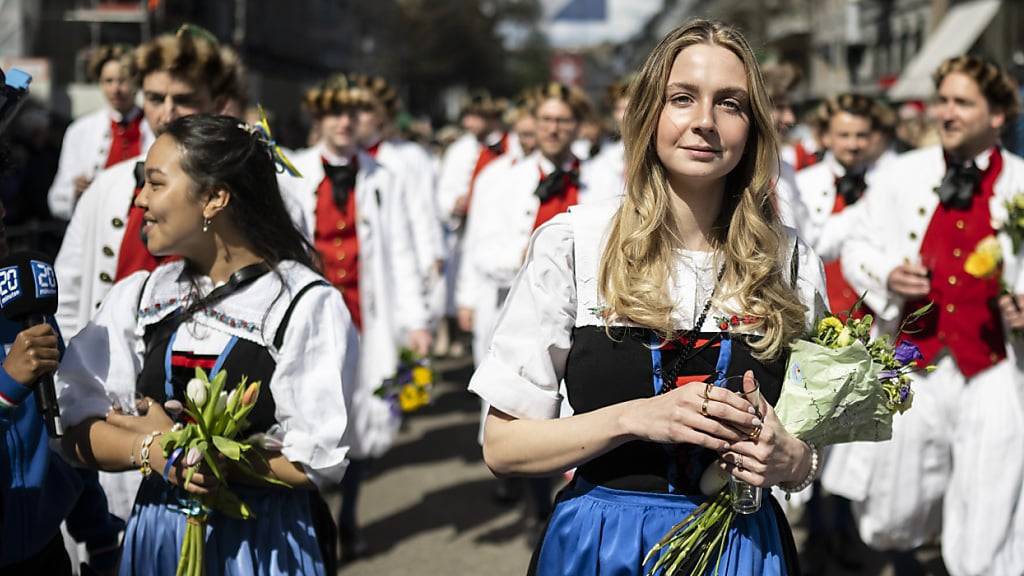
(343, 180)
(497, 148)
(555, 183)
(851, 186)
(958, 185)
(140, 175)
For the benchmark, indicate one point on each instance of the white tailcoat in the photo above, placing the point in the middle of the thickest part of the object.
(499, 229)
(83, 153)
(958, 454)
(389, 298)
(87, 261)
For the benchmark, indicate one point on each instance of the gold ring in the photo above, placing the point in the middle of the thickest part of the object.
(704, 408)
(707, 390)
(755, 433)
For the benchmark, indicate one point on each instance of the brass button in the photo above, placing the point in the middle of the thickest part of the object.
(952, 280)
(108, 251)
(117, 223)
(337, 241)
(340, 225)
(922, 211)
(942, 335)
(104, 277)
(957, 253)
(993, 357)
(340, 256)
(819, 210)
(341, 274)
(960, 224)
(950, 308)
(913, 235)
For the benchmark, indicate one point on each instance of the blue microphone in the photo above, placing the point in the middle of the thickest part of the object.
(28, 295)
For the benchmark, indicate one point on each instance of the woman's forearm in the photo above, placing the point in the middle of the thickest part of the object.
(543, 447)
(279, 468)
(103, 446)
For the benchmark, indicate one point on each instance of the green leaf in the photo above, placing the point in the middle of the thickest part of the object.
(229, 448)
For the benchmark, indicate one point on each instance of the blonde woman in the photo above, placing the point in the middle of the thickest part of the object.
(643, 308)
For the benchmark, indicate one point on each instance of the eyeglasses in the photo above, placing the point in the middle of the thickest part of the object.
(557, 121)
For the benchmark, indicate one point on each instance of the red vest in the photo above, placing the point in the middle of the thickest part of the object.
(803, 157)
(125, 142)
(133, 254)
(965, 318)
(338, 244)
(841, 296)
(486, 157)
(558, 203)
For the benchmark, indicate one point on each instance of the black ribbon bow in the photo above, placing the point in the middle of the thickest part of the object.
(556, 183)
(851, 186)
(497, 148)
(958, 185)
(140, 175)
(343, 180)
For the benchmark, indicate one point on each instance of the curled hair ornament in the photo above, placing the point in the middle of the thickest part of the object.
(261, 131)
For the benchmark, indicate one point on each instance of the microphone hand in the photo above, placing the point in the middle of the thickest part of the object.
(33, 354)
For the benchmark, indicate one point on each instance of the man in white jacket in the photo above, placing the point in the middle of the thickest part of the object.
(831, 188)
(343, 201)
(413, 170)
(103, 138)
(102, 243)
(956, 459)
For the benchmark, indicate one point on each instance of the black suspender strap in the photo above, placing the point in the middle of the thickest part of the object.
(279, 335)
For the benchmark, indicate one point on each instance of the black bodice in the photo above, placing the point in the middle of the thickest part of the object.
(244, 359)
(604, 369)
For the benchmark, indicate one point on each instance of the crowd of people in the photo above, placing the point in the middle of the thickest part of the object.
(591, 256)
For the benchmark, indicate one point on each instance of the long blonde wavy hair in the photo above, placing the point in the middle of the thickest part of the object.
(752, 246)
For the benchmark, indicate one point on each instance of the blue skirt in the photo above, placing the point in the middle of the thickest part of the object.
(279, 540)
(602, 531)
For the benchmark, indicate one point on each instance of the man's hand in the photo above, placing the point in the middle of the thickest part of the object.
(465, 318)
(909, 281)
(420, 341)
(461, 206)
(81, 183)
(1010, 306)
(33, 355)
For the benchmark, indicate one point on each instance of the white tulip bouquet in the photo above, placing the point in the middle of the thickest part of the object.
(214, 419)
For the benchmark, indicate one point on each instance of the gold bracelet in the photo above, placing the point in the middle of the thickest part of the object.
(144, 452)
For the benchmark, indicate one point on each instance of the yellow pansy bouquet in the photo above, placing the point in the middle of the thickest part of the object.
(986, 259)
(410, 388)
(1013, 225)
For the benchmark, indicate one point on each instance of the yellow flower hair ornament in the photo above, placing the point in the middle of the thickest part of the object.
(261, 130)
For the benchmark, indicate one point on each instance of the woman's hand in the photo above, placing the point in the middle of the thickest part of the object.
(33, 354)
(203, 480)
(679, 417)
(155, 419)
(772, 457)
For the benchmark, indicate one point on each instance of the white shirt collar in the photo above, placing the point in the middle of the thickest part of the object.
(334, 159)
(130, 116)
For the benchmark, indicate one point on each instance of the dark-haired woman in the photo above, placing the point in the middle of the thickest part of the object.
(243, 296)
(646, 308)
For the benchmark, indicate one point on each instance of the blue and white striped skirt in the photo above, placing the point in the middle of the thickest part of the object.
(279, 540)
(602, 531)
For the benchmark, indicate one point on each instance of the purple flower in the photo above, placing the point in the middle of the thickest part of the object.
(907, 352)
(887, 374)
(904, 393)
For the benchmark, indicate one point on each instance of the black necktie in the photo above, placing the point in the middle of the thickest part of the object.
(555, 183)
(851, 186)
(497, 148)
(958, 185)
(140, 175)
(343, 180)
